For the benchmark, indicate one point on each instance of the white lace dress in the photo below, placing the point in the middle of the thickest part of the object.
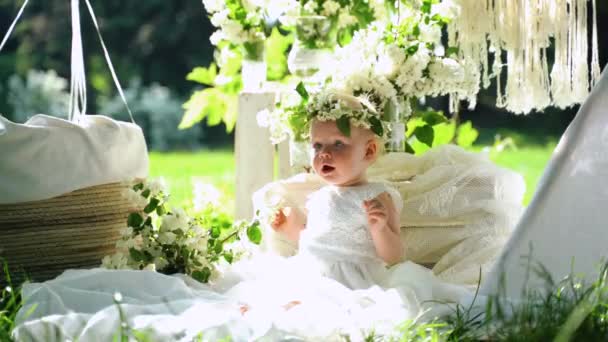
(337, 239)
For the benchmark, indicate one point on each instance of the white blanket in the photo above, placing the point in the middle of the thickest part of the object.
(83, 305)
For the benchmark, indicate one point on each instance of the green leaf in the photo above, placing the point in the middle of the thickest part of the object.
(344, 125)
(298, 122)
(425, 134)
(138, 186)
(412, 49)
(136, 255)
(408, 148)
(203, 75)
(254, 233)
(145, 193)
(229, 257)
(135, 220)
(213, 104)
(276, 54)
(148, 221)
(218, 248)
(301, 89)
(433, 118)
(202, 275)
(453, 50)
(426, 7)
(466, 134)
(215, 232)
(376, 126)
(161, 210)
(416, 31)
(152, 205)
(444, 133)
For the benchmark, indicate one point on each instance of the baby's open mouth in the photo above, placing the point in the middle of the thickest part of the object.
(327, 169)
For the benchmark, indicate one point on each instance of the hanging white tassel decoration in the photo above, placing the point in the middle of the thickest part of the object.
(523, 29)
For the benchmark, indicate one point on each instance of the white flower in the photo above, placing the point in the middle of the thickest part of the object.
(345, 19)
(166, 238)
(150, 267)
(233, 31)
(160, 263)
(177, 219)
(115, 261)
(330, 8)
(134, 197)
(128, 231)
(214, 5)
(205, 195)
(446, 8)
(310, 7)
(389, 60)
(157, 186)
(220, 18)
(430, 33)
(263, 118)
(216, 37)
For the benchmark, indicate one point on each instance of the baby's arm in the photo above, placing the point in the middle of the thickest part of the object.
(290, 221)
(383, 220)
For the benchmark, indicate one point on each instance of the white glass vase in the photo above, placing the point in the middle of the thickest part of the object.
(396, 141)
(299, 156)
(312, 48)
(253, 69)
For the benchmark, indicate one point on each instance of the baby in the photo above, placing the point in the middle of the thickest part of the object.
(352, 230)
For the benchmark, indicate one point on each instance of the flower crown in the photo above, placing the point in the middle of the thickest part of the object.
(345, 109)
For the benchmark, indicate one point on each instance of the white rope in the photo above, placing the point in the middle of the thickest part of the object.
(78, 88)
(595, 60)
(78, 91)
(108, 61)
(10, 29)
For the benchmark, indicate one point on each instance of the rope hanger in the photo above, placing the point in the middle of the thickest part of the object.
(78, 91)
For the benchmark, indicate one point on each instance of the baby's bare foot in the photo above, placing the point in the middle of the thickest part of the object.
(291, 304)
(243, 308)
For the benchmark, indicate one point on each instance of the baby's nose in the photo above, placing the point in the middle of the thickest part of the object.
(324, 154)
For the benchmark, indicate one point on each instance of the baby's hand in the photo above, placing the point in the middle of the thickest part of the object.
(378, 211)
(290, 222)
(278, 220)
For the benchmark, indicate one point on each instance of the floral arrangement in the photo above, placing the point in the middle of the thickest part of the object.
(322, 23)
(405, 59)
(172, 241)
(326, 105)
(388, 65)
(239, 22)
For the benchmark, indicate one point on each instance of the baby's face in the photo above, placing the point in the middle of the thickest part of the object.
(338, 159)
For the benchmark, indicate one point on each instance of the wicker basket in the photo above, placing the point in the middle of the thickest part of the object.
(41, 239)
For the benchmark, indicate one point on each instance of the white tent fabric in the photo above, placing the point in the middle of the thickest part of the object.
(564, 227)
(48, 156)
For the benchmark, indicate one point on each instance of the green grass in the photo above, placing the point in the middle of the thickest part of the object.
(181, 169)
(529, 161)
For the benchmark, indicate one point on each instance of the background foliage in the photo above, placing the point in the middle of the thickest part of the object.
(160, 42)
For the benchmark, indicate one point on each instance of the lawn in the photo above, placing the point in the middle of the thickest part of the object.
(181, 169)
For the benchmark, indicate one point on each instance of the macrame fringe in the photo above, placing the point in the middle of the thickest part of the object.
(522, 30)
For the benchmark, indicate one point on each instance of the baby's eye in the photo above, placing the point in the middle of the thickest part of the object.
(316, 146)
(338, 143)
